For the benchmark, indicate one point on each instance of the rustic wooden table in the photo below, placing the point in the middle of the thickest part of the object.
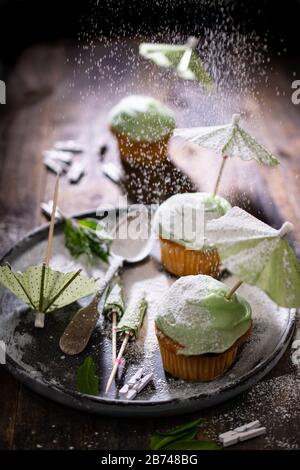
(57, 92)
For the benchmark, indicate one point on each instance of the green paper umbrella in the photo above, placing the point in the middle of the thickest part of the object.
(133, 317)
(114, 309)
(230, 140)
(182, 58)
(114, 302)
(129, 326)
(258, 254)
(44, 289)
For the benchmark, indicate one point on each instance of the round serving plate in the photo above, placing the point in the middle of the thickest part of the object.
(34, 357)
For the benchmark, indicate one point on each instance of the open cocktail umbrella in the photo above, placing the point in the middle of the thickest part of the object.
(113, 309)
(181, 58)
(44, 289)
(230, 140)
(258, 254)
(129, 327)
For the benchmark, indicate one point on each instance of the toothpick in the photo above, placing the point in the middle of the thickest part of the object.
(224, 158)
(52, 223)
(233, 289)
(114, 336)
(117, 361)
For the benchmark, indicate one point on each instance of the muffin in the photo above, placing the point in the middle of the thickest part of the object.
(199, 331)
(180, 224)
(143, 127)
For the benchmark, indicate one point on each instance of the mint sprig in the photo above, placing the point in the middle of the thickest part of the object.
(181, 438)
(86, 236)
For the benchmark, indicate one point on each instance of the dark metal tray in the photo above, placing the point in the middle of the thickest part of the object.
(34, 357)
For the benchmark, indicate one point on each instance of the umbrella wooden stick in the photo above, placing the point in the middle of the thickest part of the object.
(220, 175)
(114, 336)
(41, 301)
(117, 361)
(186, 58)
(40, 316)
(233, 289)
(52, 223)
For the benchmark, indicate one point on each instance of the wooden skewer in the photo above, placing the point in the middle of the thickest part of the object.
(233, 289)
(52, 222)
(114, 336)
(117, 361)
(224, 158)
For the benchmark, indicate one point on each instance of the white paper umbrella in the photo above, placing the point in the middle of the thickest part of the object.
(181, 58)
(258, 254)
(230, 140)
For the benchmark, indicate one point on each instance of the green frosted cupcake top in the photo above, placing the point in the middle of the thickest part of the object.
(196, 314)
(182, 218)
(142, 118)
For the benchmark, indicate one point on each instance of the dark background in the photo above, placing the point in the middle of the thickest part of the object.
(42, 107)
(25, 22)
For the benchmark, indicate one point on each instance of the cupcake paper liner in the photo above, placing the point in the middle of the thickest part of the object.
(202, 368)
(183, 262)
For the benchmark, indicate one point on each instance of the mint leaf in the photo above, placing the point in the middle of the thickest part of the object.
(181, 428)
(192, 445)
(185, 431)
(84, 236)
(87, 379)
(181, 438)
(90, 223)
(158, 441)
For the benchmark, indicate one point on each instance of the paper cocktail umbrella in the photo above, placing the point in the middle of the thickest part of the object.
(129, 327)
(230, 140)
(114, 309)
(258, 254)
(181, 58)
(43, 288)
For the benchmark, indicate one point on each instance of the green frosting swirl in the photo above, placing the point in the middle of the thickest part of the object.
(142, 118)
(182, 218)
(196, 314)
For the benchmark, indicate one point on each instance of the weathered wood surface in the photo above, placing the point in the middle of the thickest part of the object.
(51, 98)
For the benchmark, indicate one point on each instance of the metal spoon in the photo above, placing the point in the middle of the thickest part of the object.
(78, 332)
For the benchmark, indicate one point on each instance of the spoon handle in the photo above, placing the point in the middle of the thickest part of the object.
(78, 332)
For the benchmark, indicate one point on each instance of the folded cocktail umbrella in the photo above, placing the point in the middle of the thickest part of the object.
(129, 327)
(113, 309)
(230, 140)
(181, 58)
(43, 288)
(258, 254)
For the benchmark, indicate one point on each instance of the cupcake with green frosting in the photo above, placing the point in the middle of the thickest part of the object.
(143, 127)
(142, 119)
(199, 330)
(180, 223)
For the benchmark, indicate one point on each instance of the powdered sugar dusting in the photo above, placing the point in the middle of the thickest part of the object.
(275, 403)
(38, 354)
